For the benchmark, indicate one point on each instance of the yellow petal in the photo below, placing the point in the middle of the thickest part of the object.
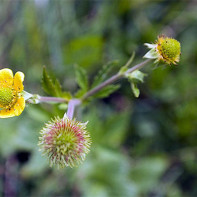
(6, 76)
(15, 110)
(19, 106)
(18, 81)
(7, 113)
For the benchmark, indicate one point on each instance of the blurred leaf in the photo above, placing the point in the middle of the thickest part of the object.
(58, 88)
(111, 177)
(106, 91)
(136, 76)
(66, 95)
(38, 113)
(63, 106)
(135, 89)
(52, 86)
(102, 74)
(147, 172)
(80, 93)
(86, 50)
(125, 68)
(37, 162)
(49, 86)
(81, 78)
(116, 128)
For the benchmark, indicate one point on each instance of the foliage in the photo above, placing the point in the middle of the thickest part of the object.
(53, 87)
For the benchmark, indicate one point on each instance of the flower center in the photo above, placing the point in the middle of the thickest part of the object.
(170, 49)
(6, 97)
(65, 142)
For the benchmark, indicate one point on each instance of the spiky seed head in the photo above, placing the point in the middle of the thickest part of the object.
(65, 142)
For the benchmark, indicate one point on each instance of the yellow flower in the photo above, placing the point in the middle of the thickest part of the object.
(12, 102)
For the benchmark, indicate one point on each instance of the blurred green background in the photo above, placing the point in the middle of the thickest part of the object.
(145, 147)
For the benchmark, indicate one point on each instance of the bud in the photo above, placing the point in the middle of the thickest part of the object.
(66, 142)
(165, 49)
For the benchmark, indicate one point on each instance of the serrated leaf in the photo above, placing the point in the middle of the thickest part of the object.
(102, 74)
(47, 83)
(81, 78)
(52, 86)
(106, 91)
(135, 90)
(58, 88)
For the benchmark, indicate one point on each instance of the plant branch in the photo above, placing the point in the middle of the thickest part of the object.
(74, 102)
(35, 99)
(137, 66)
(51, 99)
(114, 78)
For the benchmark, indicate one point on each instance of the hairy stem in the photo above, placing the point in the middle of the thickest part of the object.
(102, 85)
(113, 79)
(137, 66)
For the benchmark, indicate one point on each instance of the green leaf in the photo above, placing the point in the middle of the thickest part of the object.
(136, 76)
(47, 83)
(58, 88)
(52, 86)
(86, 50)
(66, 95)
(125, 68)
(102, 74)
(81, 78)
(135, 89)
(80, 93)
(116, 127)
(106, 91)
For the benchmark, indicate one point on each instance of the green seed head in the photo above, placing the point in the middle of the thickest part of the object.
(6, 97)
(66, 142)
(169, 49)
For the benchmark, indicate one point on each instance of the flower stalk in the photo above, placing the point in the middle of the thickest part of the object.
(71, 108)
(35, 99)
(47, 99)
